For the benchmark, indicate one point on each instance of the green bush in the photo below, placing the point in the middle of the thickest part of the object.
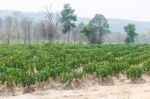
(66, 77)
(147, 68)
(89, 68)
(103, 72)
(134, 73)
(79, 75)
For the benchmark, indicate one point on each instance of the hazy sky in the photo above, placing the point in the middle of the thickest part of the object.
(123, 9)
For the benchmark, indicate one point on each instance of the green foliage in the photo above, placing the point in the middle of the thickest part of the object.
(147, 67)
(79, 75)
(90, 31)
(95, 29)
(67, 19)
(103, 72)
(66, 77)
(134, 73)
(102, 27)
(27, 65)
(130, 30)
(119, 67)
(89, 68)
(28, 79)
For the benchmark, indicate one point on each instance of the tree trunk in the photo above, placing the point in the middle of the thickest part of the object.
(18, 36)
(8, 39)
(68, 36)
(74, 41)
(29, 37)
(25, 38)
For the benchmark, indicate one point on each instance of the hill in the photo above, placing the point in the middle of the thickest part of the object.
(116, 25)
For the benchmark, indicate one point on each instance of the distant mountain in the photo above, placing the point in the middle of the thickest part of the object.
(116, 25)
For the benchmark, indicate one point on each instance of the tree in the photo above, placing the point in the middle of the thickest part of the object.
(81, 35)
(56, 24)
(26, 29)
(67, 18)
(102, 27)
(40, 31)
(16, 16)
(51, 23)
(74, 34)
(1, 25)
(8, 27)
(90, 31)
(43, 30)
(130, 30)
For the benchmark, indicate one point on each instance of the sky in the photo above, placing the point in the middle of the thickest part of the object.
(138, 10)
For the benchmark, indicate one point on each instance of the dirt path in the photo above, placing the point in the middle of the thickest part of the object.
(129, 91)
(120, 90)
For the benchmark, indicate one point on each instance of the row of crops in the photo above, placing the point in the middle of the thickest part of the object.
(27, 65)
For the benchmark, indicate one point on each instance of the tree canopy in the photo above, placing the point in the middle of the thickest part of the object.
(67, 19)
(130, 30)
(102, 26)
(89, 31)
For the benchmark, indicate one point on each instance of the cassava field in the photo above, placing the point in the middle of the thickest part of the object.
(29, 68)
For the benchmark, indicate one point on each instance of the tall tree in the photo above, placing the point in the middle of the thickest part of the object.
(52, 21)
(26, 29)
(130, 30)
(8, 27)
(56, 24)
(67, 18)
(43, 31)
(16, 20)
(1, 25)
(74, 34)
(40, 32)
(102, 26)
(90, 31)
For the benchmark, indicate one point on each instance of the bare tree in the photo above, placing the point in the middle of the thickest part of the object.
(43, 30)
(26, 29)
(56, 24)
(16, 16)
(74, 34)
(51, 23)
(1, 26)
(40, 31)
(1, 23)
(8, 26)
(29, 29)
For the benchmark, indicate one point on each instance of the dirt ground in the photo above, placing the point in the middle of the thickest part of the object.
(139, 89)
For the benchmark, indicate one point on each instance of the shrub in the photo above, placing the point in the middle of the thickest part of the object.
(134, 73)
(89, 68)
(103, 72)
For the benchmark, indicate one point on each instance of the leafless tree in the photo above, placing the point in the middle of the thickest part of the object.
(29, 30)
(40, 31)
(74, 34)
(16, 16)
(56, 24)
(43, 31)
(26, 29)
(8, 26)
(1, 23)
(51, 23)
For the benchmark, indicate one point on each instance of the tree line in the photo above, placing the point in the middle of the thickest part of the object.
(54, 26)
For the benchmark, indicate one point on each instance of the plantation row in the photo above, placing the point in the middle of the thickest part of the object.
(27, 65)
